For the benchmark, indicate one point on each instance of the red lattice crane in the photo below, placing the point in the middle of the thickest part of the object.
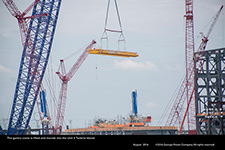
(186, 91)
(66, 77)
(191, 103)
(205, 38)
(189, 52)
(22, 20)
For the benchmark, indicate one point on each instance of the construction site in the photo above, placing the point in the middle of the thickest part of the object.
(57, 85)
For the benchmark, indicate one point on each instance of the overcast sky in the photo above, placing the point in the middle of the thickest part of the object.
(153, 28)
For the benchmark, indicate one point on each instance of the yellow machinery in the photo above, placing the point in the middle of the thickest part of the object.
(99, 51)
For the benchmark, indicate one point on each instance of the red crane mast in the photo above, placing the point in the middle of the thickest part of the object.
(189, 51)
(191, 103)
(186, 92)
(66, 77)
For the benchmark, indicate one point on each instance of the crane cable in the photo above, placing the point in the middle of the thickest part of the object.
(104, 35)
(118, 15)
(76, 52)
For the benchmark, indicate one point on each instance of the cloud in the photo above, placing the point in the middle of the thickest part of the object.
(132, 65)
(151, 105)
(4, 69)
(174, 67)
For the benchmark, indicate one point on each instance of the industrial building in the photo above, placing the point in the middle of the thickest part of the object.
(147, 130)
(135, 124)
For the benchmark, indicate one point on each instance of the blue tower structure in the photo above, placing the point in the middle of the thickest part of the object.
(43, 103)
(36, 51)
(45, 120)
(134, 102)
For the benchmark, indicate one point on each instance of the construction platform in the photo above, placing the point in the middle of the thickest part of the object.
(147, 130)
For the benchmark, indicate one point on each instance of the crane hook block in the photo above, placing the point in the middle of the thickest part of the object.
(99, 51)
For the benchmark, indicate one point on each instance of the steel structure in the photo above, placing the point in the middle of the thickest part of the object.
(186, 91)
(210, 91)
(66, 77)
(37, 41)
(191, 103)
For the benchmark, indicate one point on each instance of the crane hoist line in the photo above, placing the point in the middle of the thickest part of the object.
(117, 53)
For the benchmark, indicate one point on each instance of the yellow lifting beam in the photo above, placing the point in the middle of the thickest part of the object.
(99, 51)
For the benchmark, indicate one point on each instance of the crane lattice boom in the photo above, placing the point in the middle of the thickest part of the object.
(37, 41)
(205, 38)
(187, 84)
(65, 77)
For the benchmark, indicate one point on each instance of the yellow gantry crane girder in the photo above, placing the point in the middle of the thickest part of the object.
(117, 53)
(99, 51)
